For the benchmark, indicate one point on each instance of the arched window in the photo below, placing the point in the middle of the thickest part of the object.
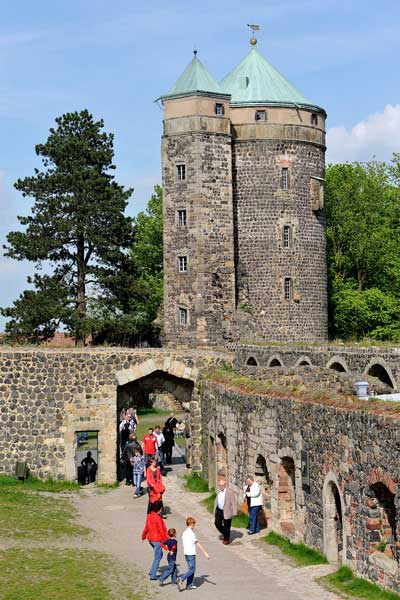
(287, 236)
(251, 362)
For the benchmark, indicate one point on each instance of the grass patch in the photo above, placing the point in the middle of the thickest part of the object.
(240, 520)
(37, 485)
(26, 512)
(301, 554)
(145, 411)
(344, 581)
(209, 502)
(196, 483)
(37, 574)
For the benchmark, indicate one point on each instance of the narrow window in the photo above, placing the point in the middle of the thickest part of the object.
(287, 236)
(219, 109)
(182, 218)
(182, 261)
(285, 178)
(314, 119)
(181, 172)
(183, 314)
(261, 115)
(288, 288)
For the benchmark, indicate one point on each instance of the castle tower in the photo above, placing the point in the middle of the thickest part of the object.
(199, 284)
(278, 157)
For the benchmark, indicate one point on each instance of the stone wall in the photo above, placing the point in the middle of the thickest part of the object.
(261, 211)
(382, 362)
(330, 477)
(46, 396)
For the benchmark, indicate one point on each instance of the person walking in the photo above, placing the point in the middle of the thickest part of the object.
(155, 532)
(225, 508)
(171, 547)
(254, 498)
(155, 486)
(169, 436)
(149, 445)
(138, 468)
(190, 544)
(160, 447)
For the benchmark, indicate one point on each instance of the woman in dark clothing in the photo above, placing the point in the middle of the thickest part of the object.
(169, 436)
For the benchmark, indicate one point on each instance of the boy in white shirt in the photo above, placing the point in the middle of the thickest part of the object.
(190, 543)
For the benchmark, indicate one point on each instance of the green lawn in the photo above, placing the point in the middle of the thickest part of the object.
(299, 553)
(37, 574)
(150, 417)
(344, 581)
(196, 483)
(27, 512)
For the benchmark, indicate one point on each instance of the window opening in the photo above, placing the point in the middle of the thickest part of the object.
(182, 264)
(287, 237)
(183, 316)
(86, 456)
(219, 109)
(314, 119)
(261, 115)
(181, 172)
(288, 288)
(182, 218)
(285, 178)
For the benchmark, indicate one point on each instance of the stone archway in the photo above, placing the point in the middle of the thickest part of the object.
(337, 363)
(303, 361)
(221, 451)
(377, 367)
(333, 513)
(287, 496)
(275, 361)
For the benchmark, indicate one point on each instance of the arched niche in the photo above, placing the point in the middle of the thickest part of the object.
(251, 362)
(275, 361)
(333, 516)
(380, 369)
(337, 363)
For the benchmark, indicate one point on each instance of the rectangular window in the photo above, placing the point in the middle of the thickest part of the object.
(261, 115)
(314, 119)
(183, 314)
(288, 288)
(219, 109)
(285, 178)
(182, 261)
(181, 172)
(287, 236)
(182, 218)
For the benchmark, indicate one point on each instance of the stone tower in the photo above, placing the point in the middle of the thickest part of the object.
(251, 152)
(199, 271)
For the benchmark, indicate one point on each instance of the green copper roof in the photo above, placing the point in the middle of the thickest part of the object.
(195, 78)
(254, 81)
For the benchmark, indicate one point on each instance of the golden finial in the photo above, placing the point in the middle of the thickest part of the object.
(253, 40)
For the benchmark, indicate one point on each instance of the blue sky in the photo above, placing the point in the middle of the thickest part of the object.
(115, 58)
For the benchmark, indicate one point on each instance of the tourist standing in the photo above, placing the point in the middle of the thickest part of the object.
(190, 543)
(171, 546)
(155, 532)
(149, 445)
(89, 468)
(253, 495)
(160, 447)
(138, 468)
(169, 435)
(225, 509)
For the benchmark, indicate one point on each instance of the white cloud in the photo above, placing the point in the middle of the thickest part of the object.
(378, 136)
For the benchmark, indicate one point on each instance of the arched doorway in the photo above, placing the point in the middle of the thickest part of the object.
(287, 496)
(221, 455)
(212, 467)
(333, 522)
(263, 478)
(382, 514)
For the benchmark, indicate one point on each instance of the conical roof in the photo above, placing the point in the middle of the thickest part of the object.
(254, 81)
(195, 78)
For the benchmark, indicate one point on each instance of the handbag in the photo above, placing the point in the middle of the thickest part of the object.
(245, 508)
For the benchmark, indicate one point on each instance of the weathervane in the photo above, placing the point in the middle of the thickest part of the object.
(254, 28)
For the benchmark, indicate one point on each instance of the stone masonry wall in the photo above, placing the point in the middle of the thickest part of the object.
(261, 210)
(207, 289)
(46, 396)
(351, 453)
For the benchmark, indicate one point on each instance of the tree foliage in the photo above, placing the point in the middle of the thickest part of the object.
(77, 227)
(363, 225)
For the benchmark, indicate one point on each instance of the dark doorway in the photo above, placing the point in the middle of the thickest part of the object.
(86, 456)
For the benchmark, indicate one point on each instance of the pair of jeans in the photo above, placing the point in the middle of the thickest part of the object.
(170, 570)
(158, 553)
(253, 514)
(223, 525)
(189, 575)
(161, 457)
(137, 481)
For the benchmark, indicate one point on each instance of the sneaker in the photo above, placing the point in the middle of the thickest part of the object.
(179, 583)
(136, 496)
(192, 587)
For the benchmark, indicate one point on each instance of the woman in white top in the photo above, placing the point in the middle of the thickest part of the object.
(253, 495)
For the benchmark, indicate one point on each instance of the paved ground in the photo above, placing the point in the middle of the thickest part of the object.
(243, 569)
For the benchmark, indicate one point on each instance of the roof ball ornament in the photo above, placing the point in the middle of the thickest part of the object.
(253, 40)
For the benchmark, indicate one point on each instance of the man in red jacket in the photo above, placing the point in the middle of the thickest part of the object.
(149, 446)
(155, 532)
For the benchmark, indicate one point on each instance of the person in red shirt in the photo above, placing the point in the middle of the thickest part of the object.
(149, 445)
(155, 532)
(155, 486)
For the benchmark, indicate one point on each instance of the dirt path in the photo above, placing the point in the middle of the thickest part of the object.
(243, 568)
